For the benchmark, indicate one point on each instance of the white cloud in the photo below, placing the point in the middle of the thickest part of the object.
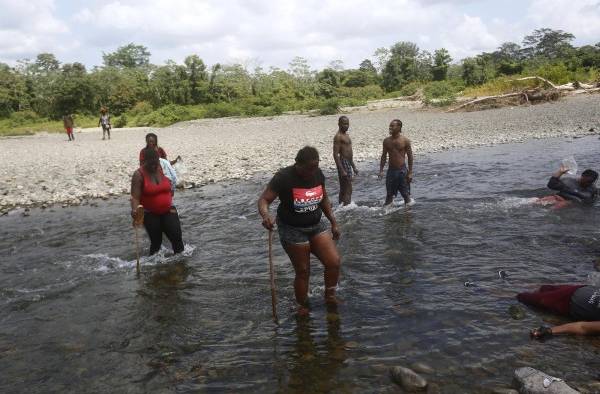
(580, 17)
(275, 32)
(28, 28)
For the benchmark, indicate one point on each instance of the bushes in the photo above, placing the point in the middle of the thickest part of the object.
(120, 121)
(557, 73)
(439, 93)
(22, 117)
(221, 110)
(329, 107)
(410, 89)
(170, 114)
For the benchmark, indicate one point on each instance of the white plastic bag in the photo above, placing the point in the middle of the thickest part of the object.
(181, 170)
(570, 165)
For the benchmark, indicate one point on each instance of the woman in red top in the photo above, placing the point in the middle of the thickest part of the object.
(152, 142)
(151, 189)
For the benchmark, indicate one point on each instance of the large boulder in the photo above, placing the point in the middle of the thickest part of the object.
(531, 381)
(408, 379)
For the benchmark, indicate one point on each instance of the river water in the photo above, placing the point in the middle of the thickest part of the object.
(75, 317)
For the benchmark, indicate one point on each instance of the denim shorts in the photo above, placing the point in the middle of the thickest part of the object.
(298, 235)
(396, 181)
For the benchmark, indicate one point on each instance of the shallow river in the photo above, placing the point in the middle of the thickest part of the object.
(74, 317)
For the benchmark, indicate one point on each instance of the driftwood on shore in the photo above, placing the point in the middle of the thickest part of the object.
(529, 96)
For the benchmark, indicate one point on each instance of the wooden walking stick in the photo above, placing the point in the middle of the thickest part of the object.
(272, 275)
(137, 222)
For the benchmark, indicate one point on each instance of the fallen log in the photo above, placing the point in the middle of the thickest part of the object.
(533, 95)
(486, 98)
(536, 77)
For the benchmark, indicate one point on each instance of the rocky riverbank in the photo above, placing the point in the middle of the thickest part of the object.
(46, 169)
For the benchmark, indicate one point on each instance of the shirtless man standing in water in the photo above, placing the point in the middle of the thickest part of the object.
(342, 154)
(398, 177)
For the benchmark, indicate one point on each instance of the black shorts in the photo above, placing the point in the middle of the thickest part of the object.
(396, 181)
(293, 235)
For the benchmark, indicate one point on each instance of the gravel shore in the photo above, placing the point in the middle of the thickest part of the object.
(46, 169)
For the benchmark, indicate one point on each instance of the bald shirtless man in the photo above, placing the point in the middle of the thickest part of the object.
(342, 154)
(398, 177)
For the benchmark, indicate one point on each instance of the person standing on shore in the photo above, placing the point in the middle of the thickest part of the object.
(152, 189)
(104, 121)
(68, 123)
(342, 154)
(398, 177)
(303, 200)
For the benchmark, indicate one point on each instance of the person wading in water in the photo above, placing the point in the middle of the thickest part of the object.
(342, 154)
(398, 177)
(152, 189)
(303, 200)
(152, 142)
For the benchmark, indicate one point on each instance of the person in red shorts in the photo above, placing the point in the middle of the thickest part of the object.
(68, 123)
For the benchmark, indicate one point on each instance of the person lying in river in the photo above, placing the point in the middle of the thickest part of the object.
(398, 177)
(152, 142)
(152, 189)
(303, 200)
(579, 302)
(581, 190)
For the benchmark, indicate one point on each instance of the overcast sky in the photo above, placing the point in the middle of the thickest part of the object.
(271, 33)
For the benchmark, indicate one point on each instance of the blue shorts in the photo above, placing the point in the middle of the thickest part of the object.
(298, 235)
(396, 181)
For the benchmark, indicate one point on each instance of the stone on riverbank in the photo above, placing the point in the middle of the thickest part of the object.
(408, 379)
(531, 381)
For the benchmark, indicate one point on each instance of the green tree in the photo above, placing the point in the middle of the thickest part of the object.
(381, 56)
(46, 63)
(74, 92)
(548, 43)
(477, 70)
(441, 61)
(367, 66)
(402, 67)
(300, 69)
(197, 79)
(13, 91)
(128, 56)
(169, 84)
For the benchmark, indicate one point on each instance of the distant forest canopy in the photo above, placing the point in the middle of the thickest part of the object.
(140, 93)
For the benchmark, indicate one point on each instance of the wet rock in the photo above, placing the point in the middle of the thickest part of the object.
(422, 368)
(408, 379)
(502, 390)
(531, 381)
(351, 345)
(516, 312)
(379, 368)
